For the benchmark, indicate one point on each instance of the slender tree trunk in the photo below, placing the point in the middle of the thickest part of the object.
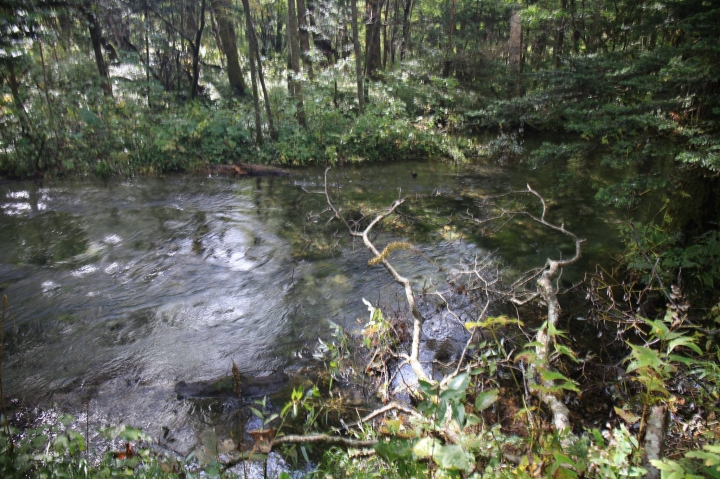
(51, 110)
(560, 36)
(147, 53)
(304, 38)
(576, 32)
(358, 58)
(294, 47)
(373, 25)
(515, 52)
(196, 53)
(385, 35)
(17, 99)
(277, 45)
(268, 111)
(96, 40)
(407, 18)
(228, 41)
(393, 34)
(448, 52)
(253, 72)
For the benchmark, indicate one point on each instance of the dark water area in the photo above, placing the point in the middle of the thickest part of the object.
(120, 290)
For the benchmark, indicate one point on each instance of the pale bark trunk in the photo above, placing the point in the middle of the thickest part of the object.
(358, 58)
(515, 51)
(655, 439)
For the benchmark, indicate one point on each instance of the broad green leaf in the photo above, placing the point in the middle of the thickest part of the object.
(459, 382)
(486, 399)
(452, 457)
(426, 447)
(683, 341)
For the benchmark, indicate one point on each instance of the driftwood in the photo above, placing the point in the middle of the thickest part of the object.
(224, 387)
(242, 170)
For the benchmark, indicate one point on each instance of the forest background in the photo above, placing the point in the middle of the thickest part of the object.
(126, 87)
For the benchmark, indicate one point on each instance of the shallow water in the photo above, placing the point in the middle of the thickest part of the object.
(120, 290)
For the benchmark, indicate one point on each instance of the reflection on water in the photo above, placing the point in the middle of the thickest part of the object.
(121, 290)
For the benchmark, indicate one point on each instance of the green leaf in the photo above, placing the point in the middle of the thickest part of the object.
(642, 357)
(486, 399)
(566, 351)
(459, 382)
(452, 457)
(426, 447)
(683, 341)
(709, 458)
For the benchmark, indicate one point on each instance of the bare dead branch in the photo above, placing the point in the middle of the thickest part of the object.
(389, 407)
(418, 320)
(324, 439)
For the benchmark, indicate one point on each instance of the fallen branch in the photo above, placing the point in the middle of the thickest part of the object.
(412, 359)
(324, 439)
(384, 409)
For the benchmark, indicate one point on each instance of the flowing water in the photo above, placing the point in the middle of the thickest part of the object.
(120, 290)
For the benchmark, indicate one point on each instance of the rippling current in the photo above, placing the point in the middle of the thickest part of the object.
(120, 290)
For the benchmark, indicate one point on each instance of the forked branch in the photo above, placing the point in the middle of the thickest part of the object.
(413, 359)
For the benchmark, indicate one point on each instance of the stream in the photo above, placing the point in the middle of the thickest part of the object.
(120, 290)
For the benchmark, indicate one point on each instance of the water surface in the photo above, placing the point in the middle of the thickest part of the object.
(119, 290)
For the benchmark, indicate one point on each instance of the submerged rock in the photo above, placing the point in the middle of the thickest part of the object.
(251, 386)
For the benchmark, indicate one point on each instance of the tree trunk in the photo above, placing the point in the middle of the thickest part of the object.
(393, 34)
(96, 40)
(358, 58)
(407, 16)
(196, 53)
(373, 25)
(253, 73)
(448, 62)
(304, 37)
(560, 36)
(655, 439)
(147, 53)
(271, 123)
(385, 36)
(294, 48)
(277, 45)
(515, 52)
(228, 40)
(17, 99)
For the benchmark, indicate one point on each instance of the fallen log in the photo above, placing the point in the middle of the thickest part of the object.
(242, 170)
(251, 386)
